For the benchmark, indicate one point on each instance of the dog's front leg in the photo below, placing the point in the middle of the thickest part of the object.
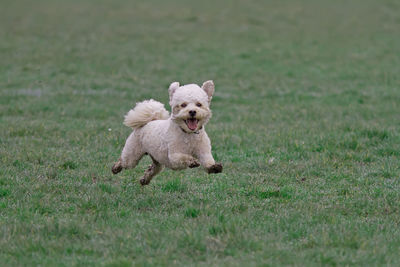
(179, 161)
(208, 162)
(206, 159)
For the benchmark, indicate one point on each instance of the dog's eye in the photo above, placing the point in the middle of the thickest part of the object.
(183, 105)
(198, 104)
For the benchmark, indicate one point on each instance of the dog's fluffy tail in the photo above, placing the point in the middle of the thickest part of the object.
(145, 112)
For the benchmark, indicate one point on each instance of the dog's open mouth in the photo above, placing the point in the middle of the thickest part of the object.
(192, 124)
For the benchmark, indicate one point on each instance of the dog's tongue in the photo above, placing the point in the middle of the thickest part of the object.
(192, 124)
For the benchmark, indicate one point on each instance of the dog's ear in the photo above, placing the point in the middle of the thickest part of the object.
(172, 89)
(208, 87)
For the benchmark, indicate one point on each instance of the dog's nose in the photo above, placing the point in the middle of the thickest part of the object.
(192, 113)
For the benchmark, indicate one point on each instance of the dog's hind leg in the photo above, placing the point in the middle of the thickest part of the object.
(130, 156)
(153, 169)
(117, 167)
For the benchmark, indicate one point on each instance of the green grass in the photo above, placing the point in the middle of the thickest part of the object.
(306, 120)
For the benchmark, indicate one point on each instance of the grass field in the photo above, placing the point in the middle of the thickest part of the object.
(306, 121)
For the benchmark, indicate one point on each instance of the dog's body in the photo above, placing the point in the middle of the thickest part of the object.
(178, 141)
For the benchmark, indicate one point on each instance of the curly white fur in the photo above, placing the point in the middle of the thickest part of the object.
(177, 141)
(145, 112)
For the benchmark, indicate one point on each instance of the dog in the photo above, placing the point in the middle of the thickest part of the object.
(177, 141)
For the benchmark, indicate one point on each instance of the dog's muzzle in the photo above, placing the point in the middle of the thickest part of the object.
(192, 123)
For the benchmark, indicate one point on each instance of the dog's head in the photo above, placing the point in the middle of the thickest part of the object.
(191, 105)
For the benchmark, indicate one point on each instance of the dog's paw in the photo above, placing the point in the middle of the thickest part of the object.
(216, 168)
(144, 181)
(194, 164)
(117, 167)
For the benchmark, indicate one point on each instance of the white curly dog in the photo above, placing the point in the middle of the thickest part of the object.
(178, 141)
